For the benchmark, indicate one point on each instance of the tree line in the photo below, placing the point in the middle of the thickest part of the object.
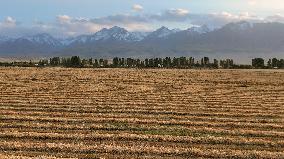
(167, 62)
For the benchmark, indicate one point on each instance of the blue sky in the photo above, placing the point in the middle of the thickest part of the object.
(70, 17)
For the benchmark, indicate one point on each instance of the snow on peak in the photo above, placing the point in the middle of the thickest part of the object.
(43, 38)
(245, 25)
(116, 33)
(239, 26)
(139, 35)
(81, 39)
(200, 29)
(162, 32)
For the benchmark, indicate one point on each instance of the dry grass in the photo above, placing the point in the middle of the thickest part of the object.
(131, 113)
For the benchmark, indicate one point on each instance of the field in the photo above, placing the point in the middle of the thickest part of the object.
(132, 113)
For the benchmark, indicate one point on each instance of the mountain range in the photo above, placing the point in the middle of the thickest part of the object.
(242, 39)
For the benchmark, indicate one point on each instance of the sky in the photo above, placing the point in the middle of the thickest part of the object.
(64, 18)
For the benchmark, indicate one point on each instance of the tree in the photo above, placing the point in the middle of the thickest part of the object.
(115, 62)
(274, 62)
(228, 63)
(151, 63)
(96, 63)
(66, 62)
(167, 62)
(43, 63)
(147, 63)
(101, 62)
(55, 61)
(206, 61)
(176, 62)
(216, 63)
(202, 62)
(183, 62)
(91, 61)
(258, 63)
(269, 63)
(281, 63)
(75, 61)
(105, 63)
(191, 62)
(129, 62)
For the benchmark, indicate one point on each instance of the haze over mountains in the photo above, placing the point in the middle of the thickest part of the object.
(241, 40)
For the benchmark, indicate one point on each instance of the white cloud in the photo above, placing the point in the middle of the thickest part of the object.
(252, 2)
(71, 26)
(265, 5)
(137, 7)
(171, 15)
(179, 12)
(65, 25)
(63, 18)
(275, 18)
(8, 22)
(219, 19)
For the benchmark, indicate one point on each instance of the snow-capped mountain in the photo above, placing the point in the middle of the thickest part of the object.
(140, 35)
(112, 34)
(82, 39)
(162, 33)
(116, 41)
(4, 39)
(41, 39)
(239, 26)
(199, 29)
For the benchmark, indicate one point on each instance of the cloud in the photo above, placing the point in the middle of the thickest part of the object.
(63, 18)
(178, 12)
(220, 19)
(252, 2)
(65, 25)
(275, 18)
(213, 19)
(171, 15)
(120, 19)
(265, 5)
(8, 22)
(137, 7)
(10, 27)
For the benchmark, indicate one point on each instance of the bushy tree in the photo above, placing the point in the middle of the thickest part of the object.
(55, 61)
(115, 62)
(75, 61)
(258, 63)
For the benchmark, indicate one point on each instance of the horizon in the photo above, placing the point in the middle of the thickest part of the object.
(38, 29)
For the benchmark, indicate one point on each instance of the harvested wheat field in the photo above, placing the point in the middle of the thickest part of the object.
(132, 113)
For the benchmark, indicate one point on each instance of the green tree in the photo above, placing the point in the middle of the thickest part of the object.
(258, 63)
(55, 61)
(96, 63)
(269, 63)
(274, 62)
(216, 63)
(75, 61)
(115, 62)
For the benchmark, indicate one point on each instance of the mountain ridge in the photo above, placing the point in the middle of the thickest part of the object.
(233, 38)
